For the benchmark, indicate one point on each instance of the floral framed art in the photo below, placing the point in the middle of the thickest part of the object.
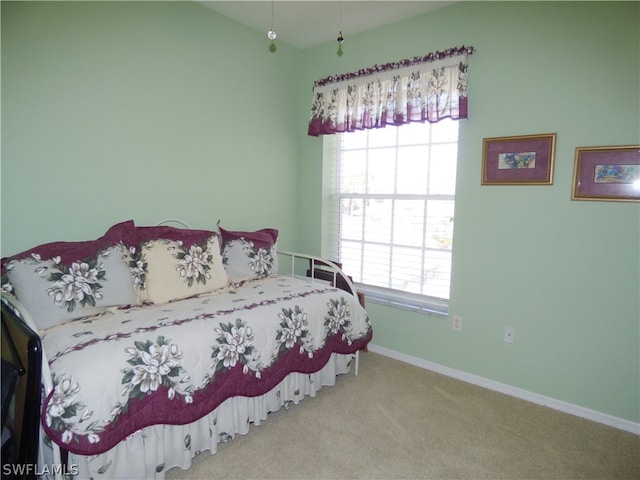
(607, 173)
(518, 160)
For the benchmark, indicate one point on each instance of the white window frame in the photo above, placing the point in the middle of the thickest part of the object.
(331, 223)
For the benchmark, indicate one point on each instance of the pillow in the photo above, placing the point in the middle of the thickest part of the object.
(159, 232)
(165, 232)
(63, 281)
(249, 255)
(175, 269)
(124, 232)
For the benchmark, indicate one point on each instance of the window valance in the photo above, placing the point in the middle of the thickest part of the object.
(419, 89)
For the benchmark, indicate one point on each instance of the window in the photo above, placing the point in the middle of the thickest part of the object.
(389, 197)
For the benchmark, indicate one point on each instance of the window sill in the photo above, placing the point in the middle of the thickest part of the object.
(414, 303)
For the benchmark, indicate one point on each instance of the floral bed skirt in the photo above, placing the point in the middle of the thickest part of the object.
(150, 452)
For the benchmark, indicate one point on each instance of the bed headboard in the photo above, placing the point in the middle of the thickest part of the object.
(168, 221)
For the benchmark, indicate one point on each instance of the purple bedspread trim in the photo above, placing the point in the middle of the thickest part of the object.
(266, 237)
(158, 409)
(120, 233)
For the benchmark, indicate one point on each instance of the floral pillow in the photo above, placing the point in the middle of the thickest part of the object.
(63, 281)
(249, 255)
(174, 263)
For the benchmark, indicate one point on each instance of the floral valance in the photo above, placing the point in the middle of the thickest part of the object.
(419, 89)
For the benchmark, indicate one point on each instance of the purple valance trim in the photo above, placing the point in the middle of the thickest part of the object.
(317, 127)
(407, 62)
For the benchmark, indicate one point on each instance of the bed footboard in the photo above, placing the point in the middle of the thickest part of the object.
(337, 277)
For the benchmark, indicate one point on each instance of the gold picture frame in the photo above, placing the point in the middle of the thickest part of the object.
(519, 160)
(610, 174)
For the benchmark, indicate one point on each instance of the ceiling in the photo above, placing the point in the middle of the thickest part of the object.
(305, 24)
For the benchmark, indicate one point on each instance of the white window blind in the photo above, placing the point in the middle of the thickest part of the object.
(389, 198)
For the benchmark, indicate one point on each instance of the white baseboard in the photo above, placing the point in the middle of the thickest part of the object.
(559, 405)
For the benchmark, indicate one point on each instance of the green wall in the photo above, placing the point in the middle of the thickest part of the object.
(565, 274)
(149, 110)
(143, 110)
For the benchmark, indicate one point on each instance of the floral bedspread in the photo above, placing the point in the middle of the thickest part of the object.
(171, 364)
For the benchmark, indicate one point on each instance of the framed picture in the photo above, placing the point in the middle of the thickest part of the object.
(607, 173)
(520, 160)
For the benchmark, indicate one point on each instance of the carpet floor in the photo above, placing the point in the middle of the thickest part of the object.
(398, 421)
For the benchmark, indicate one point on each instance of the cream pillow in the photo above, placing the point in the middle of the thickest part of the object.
(176, 270)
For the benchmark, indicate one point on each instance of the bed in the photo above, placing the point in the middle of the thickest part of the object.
(216, 334)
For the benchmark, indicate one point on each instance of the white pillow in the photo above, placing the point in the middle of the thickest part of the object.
(249, 255)
(55, 293)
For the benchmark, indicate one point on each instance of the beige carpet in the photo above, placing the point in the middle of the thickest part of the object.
(397, 421)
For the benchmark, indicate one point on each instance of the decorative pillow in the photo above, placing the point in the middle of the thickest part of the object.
(166, 232)
(62, 281)
(175, 269)
(159, 232)
(249, 255)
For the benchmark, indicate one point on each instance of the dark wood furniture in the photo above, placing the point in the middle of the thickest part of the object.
(22, 363)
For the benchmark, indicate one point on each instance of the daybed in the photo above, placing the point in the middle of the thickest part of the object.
(159, 342)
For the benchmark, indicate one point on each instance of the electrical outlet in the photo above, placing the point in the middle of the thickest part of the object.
(457, 323)
(509, 334)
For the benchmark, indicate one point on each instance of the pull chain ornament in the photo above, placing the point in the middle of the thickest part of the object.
(271, 34)
(340, 40)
